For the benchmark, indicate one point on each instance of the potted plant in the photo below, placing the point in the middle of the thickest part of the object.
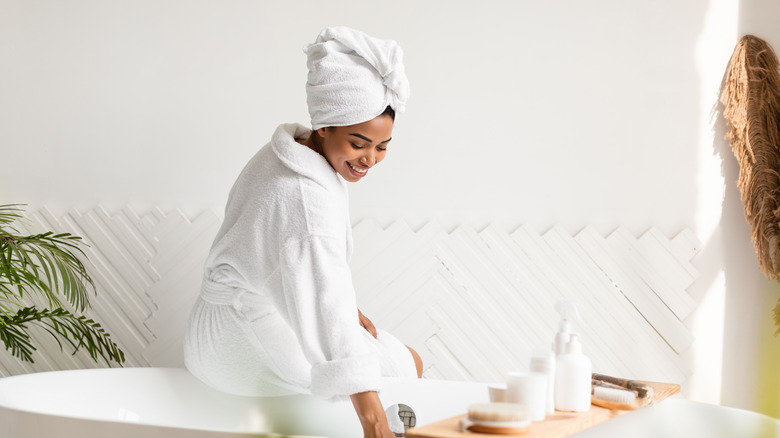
(36, 273)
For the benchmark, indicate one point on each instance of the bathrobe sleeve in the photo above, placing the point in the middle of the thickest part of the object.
(321, 308)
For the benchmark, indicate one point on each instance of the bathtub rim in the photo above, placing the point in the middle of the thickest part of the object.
(474, 391)
(140, 423)
(22, 413)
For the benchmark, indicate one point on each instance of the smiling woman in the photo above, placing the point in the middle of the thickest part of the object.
(353, 150)
(277, 313)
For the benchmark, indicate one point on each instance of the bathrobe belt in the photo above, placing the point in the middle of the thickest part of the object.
(213, 292)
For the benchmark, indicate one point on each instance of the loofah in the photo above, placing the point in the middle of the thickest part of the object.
(497, 412)
(497, 418)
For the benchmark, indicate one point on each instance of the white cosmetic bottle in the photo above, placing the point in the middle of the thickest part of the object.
(572, 378)
(543, 362)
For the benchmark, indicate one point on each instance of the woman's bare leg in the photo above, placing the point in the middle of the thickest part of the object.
(417, 362)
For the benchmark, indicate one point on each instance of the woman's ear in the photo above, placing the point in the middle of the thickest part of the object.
(322, 132)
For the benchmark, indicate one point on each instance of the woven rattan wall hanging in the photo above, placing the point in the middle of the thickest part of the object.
(751, 96)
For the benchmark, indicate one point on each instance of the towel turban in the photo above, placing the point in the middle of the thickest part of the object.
(353, 77)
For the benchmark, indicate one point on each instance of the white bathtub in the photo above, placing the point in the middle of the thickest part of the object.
(171, 403)
(680, 418)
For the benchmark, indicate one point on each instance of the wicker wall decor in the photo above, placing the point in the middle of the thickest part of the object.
(751, 99)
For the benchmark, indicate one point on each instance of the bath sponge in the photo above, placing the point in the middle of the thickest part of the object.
(497, 418)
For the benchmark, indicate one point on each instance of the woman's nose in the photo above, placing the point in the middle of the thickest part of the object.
(369, 158)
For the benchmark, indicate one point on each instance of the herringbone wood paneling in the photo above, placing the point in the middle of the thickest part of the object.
(477, 304)
(147, 271)
(474, 304)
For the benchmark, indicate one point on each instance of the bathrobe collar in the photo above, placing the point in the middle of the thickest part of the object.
(301, 159)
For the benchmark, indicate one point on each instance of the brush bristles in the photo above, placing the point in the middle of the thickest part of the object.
(498, 412)
(614, 395)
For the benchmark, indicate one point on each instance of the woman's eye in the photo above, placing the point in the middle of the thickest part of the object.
(356, 146)
(382, 148)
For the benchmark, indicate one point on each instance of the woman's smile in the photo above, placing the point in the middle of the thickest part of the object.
(359, 171)
(353, 150)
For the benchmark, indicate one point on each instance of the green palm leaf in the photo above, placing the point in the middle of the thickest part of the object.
(9, 213)
(78, 331)
(49, 266)
(46, 264)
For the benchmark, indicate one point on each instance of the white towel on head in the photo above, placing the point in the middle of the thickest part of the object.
(353, 77)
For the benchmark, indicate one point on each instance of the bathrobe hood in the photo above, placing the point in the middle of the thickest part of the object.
(303, 160)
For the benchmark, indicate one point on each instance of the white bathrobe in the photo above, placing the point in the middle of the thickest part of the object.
(277, 313)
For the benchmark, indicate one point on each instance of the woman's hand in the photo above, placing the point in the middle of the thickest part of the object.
(367, 324)
(372, 416)
(378, 431)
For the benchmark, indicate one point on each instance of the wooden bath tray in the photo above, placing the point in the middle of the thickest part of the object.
(558, 425)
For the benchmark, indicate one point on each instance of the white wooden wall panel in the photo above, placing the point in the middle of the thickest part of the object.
(508, 284)
(183, 246)
(474, 303)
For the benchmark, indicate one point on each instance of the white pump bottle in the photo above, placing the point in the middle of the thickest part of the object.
(571, 389)
(572, 378)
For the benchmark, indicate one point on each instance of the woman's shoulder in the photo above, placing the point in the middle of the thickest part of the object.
(300, 159)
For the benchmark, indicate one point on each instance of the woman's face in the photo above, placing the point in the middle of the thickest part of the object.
(352, 150)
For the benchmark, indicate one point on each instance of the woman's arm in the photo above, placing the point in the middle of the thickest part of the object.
(367, 324)
(372, 416)
(319, 304)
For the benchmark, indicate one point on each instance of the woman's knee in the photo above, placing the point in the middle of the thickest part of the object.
(417, 361)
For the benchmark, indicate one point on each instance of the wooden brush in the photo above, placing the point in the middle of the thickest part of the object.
(497, 418)
(642, 390)
(620, 399)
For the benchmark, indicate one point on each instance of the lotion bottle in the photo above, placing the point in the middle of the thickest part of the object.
(572, 378)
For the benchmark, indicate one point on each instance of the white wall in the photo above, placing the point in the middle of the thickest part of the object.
(567, 112)
(522, 112)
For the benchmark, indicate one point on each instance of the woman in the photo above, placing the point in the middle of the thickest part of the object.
(277, 313)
